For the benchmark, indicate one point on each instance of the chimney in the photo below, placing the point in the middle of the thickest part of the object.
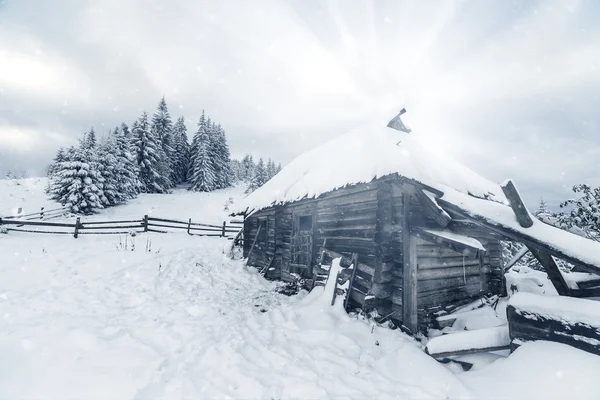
(397, 124)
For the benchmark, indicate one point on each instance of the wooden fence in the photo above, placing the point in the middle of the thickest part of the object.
(119, 227)
(42, 214)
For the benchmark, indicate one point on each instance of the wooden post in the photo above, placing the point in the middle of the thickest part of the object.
(42, 213)
(544, 258)
(76, 233)
(409, 269)
(552, 270)
(189, 226)
(516, 203)
(223, 231)
(146, 223)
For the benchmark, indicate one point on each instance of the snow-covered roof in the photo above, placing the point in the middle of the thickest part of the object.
(502, 216)
(361, 155)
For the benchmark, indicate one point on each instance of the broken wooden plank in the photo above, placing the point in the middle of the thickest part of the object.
(469, 342)
(516, 203)
(432, 208)
(552, 270)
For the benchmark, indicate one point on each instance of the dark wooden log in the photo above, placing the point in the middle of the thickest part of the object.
(83, 227)
(527, 326)
(409, 273)
(516, 203)
(139, 222)
(552, 270)
(432, 209)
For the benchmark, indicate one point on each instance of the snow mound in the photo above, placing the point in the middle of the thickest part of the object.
(369, 152)
(538, 370)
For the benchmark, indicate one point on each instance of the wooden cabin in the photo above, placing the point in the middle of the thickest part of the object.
(427, 231)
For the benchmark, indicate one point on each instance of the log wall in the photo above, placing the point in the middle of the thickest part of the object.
(366, 219)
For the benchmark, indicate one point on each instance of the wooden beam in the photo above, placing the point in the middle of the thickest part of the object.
(409, 270)
(460, 247)
(552, 270)
(432, 209)
(513, 234)
(516, 203)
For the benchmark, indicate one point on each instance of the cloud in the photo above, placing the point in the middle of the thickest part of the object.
(495, 86)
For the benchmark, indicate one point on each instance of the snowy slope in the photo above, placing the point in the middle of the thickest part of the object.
(26, 193)
(361, 155)
(88, 318)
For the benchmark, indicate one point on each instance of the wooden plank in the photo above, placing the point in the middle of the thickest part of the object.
(516, 203)
(37, 223)
(552, 270)
(432, 209)
(409, 270)
(460, 247)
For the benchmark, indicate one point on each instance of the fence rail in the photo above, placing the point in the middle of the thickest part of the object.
(42, 214)
(119, 227)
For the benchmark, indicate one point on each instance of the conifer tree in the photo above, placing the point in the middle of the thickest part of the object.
(247, 168)
(182, 151)
(77, 182)
(202, 177)
(162, 129)
(107, 165)
(259, 178)
(128, 183)
(221, 157)
(148, 152)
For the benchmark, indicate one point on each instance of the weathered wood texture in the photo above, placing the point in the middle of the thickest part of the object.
(526, 326)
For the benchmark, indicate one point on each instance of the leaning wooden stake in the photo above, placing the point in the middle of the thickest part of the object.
(525, 220)
(189, 226)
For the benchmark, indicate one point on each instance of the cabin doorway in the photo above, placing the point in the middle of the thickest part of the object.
(302, 245)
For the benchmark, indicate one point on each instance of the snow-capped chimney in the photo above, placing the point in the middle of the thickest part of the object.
(397, 124)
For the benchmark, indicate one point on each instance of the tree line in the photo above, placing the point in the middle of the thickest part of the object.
(154, 156)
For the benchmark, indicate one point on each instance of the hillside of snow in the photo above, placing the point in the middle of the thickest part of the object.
(27, 193)
(171, 316)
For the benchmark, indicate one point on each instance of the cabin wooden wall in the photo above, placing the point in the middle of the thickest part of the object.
(264, 250)
(367, 219)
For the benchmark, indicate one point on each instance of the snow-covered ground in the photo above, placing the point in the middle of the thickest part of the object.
(176, 318)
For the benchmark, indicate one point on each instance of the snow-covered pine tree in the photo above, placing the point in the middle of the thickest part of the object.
(278, 168)
(247, 168)
(162, 129)
(60, 157)
(543, 209)
(148, 151)
(202, 176)
(103, 155)
(77, 182)
(221, 157)
(182, 151)
(259, 178)
(89, 139)
(271, 169)
(128, 183)
(236, 170)
(584, 212)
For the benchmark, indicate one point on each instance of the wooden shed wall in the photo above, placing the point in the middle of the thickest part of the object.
(367, 219)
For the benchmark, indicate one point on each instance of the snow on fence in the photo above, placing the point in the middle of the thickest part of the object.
(118, 227)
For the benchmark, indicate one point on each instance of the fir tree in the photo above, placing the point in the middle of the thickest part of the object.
(128, 183)
(182, 151)
(221, 157)
(77, 182)
(259, 178)
(162, 129)
(247, 167)
(148, 152)
(271, 169)
(107, 165)
(89, 140)
(202, 177)
(543, 209)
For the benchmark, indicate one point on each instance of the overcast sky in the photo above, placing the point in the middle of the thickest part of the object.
(511, 89)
